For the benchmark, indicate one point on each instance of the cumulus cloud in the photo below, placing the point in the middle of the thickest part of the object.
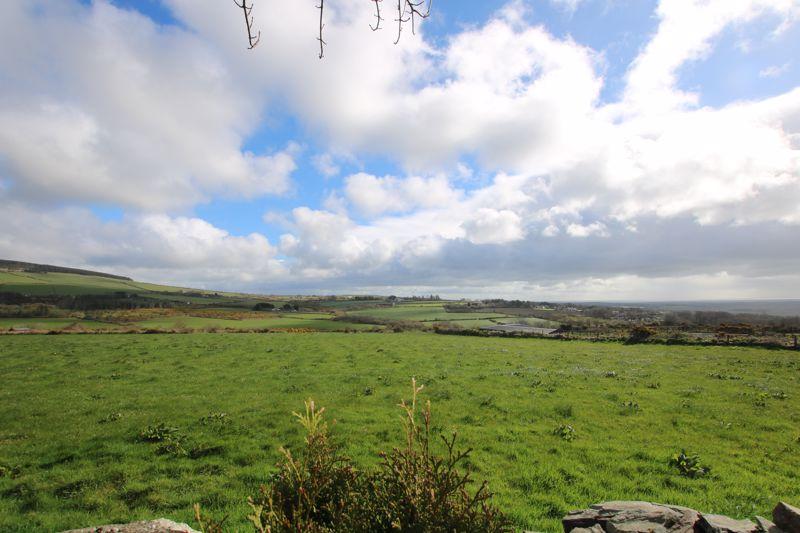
(372, 195)
(685, 33)
(490, 226)
(106, 106)
(179, 250)
(569, 193)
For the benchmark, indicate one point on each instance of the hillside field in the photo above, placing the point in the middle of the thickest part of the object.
(72, 407)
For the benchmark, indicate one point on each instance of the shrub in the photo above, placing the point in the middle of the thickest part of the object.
(640, 334)
(413, 489)
(689, 465)
(417, 490)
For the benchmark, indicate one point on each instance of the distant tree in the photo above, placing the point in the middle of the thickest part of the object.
(407, 11)
(263, 306)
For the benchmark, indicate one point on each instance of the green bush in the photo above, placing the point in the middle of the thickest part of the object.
(640, 334)
(412, 490)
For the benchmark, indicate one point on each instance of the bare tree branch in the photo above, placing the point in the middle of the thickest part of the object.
(407, 11)
(252, 40)
(415, 11)
(377, 15)
(401, 11)
(322, 43)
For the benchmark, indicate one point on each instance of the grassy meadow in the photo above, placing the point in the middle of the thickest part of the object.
(72, 408)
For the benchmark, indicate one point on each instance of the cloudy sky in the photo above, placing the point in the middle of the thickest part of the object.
(541, 149)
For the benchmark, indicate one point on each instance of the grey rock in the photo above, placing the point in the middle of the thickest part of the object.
(765, 526)
(633, 517)
(594, 529)
(162, 525)
(787, 517)
(715, 523)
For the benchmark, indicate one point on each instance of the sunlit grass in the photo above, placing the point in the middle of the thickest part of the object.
(73, 408)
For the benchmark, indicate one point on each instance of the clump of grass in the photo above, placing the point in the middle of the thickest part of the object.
(732, 377)
(110, 417)
(173, 446)
(158, 433)
(215, 419)
(412, 489)
(564, 410)
(12, 472)
(565, 432)
(488, 401)
(630, 406)
(689, 465)
(169, 439)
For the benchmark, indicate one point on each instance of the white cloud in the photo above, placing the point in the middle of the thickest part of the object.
(580, 230)
(490, 226)
(326, 165)
(567, 5)
(685, 33)
(105, 106)
(155, 118)
(372, 195)
(178, 250)
(774, 71)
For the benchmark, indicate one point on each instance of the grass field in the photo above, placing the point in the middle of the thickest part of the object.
(71, 408)
(46, 283)
(316, 322)
(51, 323)
(425, 312)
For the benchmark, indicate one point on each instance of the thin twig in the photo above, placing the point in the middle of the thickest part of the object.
(248, 21)
(322, 43)
(377, 15)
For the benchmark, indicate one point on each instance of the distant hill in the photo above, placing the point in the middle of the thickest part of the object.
(21, 266)
(75, 288)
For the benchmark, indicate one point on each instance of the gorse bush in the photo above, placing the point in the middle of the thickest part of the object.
(416, 490)
(413, 489)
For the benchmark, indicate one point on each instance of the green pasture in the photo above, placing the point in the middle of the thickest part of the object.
(51, 323)
(425, 312)
(71, 409)
(309, 321)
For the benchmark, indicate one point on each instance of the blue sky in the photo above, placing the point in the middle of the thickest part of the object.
(538, 133)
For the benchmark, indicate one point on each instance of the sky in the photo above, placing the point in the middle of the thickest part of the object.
(544, 150)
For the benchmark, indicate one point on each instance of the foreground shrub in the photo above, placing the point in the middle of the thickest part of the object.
(412, 490)
(416, 490)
